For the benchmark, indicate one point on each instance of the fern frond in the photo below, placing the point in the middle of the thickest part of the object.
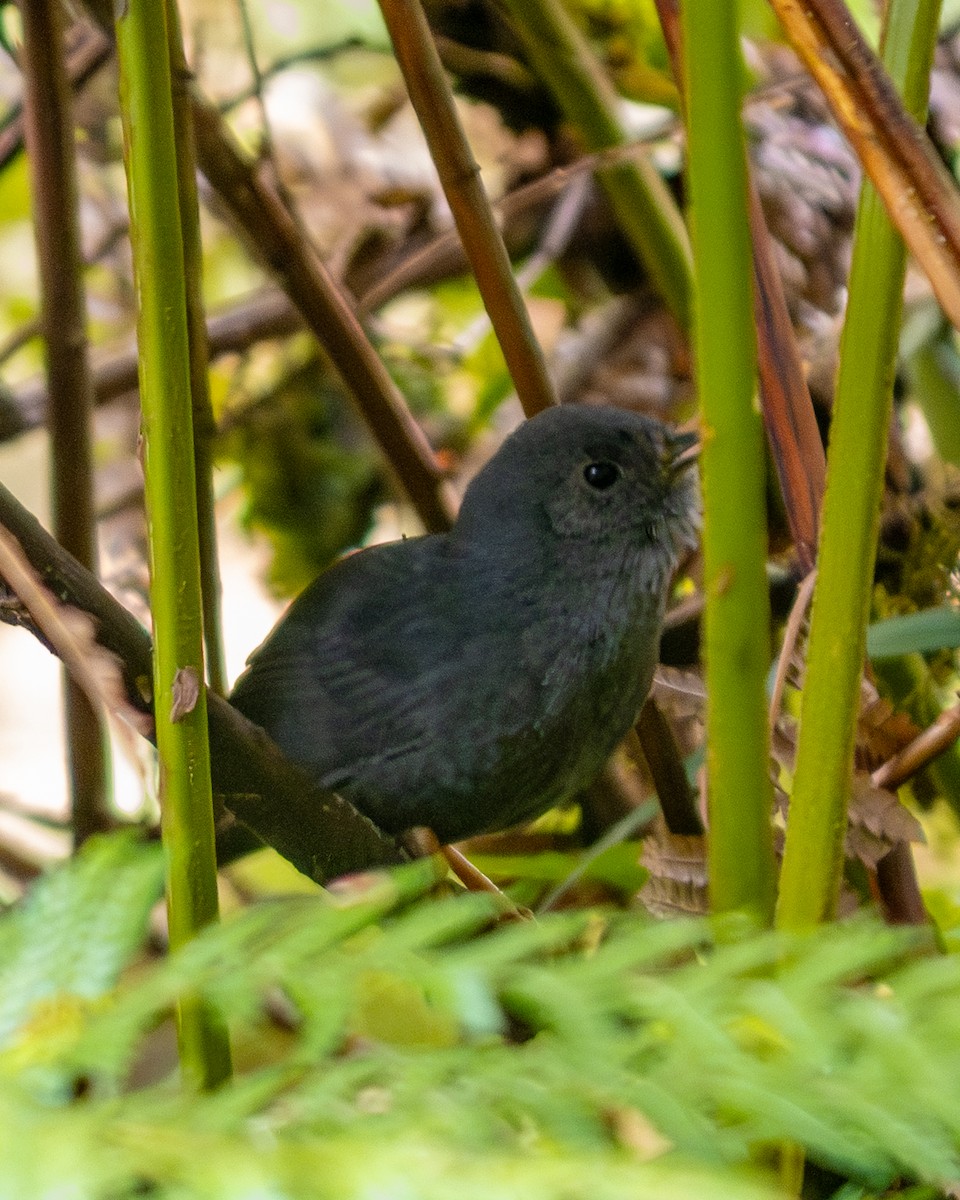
(542, 1059)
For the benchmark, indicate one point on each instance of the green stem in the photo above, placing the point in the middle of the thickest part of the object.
(645, 210)
(734, 535)
(813, 857)
(179, 694)
(204, 427)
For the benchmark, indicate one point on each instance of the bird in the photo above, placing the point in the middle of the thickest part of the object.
(471, 680)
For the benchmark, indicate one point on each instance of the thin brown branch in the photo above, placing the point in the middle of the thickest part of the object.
(91, 49)
(460, 178)
(788, 415)
(51, 147)
(920, 197)
(93, 669)
(659, 747)
(19, 338)
(791, 637)
(321, 833)
(273, 234)
(519, 214)
(269, 312)
(924, 748)
(898, 887)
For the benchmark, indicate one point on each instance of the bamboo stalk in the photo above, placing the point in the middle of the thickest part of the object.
(204, 427)
(784, 395)
(180, 707)
(813, 855)
(920, 196)
(737, 642)
(645, 210)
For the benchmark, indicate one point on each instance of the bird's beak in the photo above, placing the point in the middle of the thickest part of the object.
(683, 450)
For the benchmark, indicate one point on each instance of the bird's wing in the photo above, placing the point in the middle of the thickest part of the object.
(357, 665)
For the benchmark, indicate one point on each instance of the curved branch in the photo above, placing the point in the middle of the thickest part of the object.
(319, 832)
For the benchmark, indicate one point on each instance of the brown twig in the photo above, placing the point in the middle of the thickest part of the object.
(561, 224)
(519, 215)
(270, 313)
(656, 741)
(321, 833)
(266, 314)
(16, 340)
(94, 48)
(922, 750)
(920, 197)
(460, 178)
(791, 636)
(273, 234)
(51, 146)
(898, 888)
(100, 681)
(788, 415)
(463, 60)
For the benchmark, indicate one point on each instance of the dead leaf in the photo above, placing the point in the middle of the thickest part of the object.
(186, 693)
(682, 698)
(882, 731)
(678, 874)
(877, 821)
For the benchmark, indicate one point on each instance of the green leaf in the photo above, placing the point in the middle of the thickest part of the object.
(923, 632)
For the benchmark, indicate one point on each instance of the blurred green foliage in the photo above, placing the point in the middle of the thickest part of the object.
(388, 1043)
(310, 473)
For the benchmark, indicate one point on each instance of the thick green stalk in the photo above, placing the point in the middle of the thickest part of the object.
(179, 694)
(645, 210)
(813, 857)
(734, 534)
(204, 427)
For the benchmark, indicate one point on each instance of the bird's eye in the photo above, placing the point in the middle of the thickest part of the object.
(601, 475)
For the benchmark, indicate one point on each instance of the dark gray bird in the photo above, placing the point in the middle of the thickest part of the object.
(473, 679)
